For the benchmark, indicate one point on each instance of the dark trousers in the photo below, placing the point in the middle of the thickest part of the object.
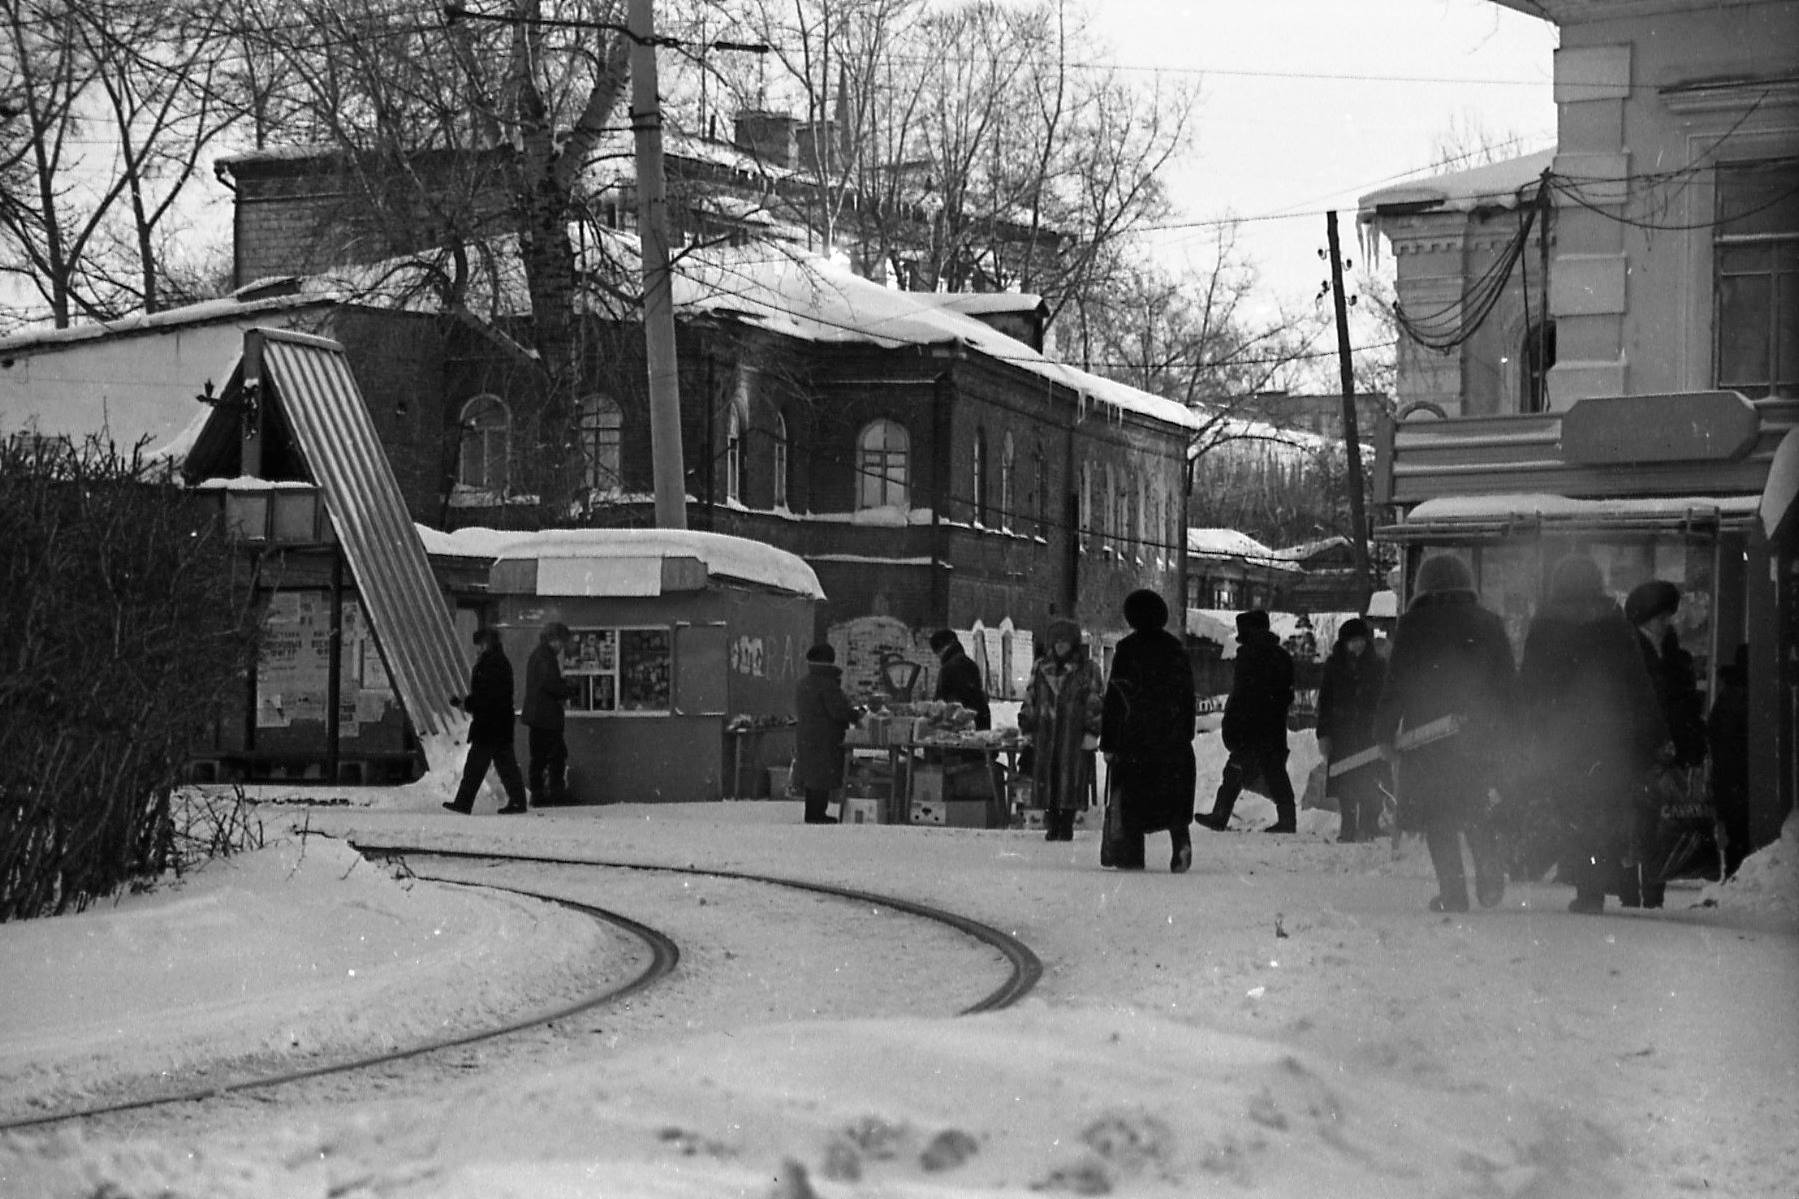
(818, 805)
(1270, 763)
(1444, 838)
(1359, 802)
(549, 766)
(499, 755)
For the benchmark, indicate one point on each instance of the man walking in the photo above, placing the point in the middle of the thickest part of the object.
(489, 705)
(1255, 725)
(545, 692)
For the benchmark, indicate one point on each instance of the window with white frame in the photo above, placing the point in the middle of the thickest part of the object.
(780, 461)
(601, 428)
(486, 436)
(1007, 482)
(734, 454)
(882, 462)
(1756, 262)
(619, 670)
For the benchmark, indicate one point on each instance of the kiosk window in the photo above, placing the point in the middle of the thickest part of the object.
(619, 670)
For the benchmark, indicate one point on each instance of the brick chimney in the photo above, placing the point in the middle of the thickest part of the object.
(768, 136)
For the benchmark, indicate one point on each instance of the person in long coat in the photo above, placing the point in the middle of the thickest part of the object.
(1651, 608)
(545, 693)
(1146, 735)
(1061, 712)
(1255, 726)
(822, 714)
(959, 679)
(1451, 659)
(1353, 677)
(1596, 727)
(489, 706)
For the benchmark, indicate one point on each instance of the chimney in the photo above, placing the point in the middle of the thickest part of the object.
(768, 136)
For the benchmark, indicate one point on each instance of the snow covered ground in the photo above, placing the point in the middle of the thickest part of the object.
(1285, 1020)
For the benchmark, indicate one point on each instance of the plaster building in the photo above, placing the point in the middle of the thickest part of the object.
(1655, 431)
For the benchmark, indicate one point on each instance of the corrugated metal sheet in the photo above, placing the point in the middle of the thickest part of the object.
(1496, 455)
(318, 396)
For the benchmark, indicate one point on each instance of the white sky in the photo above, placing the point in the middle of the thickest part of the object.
(1309, 104)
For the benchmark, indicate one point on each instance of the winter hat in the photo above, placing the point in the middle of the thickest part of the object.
(821, 652)
(1352, 628)
(1650, 600)
(1062, 630)
(1444, 572)
(555, 631)
(942, 639)
(1576, 577)
(1252, 620)
(1144, 611)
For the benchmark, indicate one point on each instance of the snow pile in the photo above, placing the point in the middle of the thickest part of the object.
(1767, 881)
(296, 949)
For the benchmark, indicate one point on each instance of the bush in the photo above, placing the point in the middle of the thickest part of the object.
(122, 626)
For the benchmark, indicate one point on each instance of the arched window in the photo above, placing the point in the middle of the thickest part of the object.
(980, 476)
(602, 445)
(1040, 480)
(1108, 516)
(780, 464)
(486, 437)
(1006, 482)
(882, 451)
(1146, 510)
(1084, 502)
(1537, 355)
(734, 454)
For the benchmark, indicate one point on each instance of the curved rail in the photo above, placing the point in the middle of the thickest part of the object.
(664, 955)
(1026, 967)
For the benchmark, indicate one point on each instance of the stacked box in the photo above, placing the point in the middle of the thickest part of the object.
(863, 811)
(950, 813)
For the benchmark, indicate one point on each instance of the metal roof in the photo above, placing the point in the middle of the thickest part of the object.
(313, 389)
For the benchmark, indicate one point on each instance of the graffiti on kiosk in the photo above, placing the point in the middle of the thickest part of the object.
(759, 658)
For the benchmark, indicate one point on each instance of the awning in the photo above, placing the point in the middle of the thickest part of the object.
(1492, 517)
(308, 383)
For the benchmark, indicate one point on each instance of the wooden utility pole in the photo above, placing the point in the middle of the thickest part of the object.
(1351, 437)
(658, 293)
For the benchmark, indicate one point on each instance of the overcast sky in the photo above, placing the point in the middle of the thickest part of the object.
(1309, 104)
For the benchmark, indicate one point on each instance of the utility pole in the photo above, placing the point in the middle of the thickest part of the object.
(1351, 438)
(658, 293)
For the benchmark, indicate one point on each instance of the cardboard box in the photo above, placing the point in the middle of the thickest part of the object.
(928, 785)
(862, 811)
(951, 813)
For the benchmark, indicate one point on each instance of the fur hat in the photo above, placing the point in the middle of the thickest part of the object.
(1650, 600)
(1443, 572)
(1144, 610)
(942, 639)
(1062, 629)
(1575, 577)
(554, 631)
(1352, 628)
(1255, 618)
(822, 652)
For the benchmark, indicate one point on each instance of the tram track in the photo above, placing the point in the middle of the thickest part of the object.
(1024, 969)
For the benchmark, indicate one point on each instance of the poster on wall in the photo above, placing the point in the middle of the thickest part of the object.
(293, 672)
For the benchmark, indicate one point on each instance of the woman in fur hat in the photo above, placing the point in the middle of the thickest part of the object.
(1353, 677)
(1061, 713)
(1147, 735)
(1595, 723)
(1451, 658)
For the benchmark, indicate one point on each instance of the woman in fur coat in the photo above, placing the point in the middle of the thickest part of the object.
(1061, 714)
(1146, 734)
(1353, 676)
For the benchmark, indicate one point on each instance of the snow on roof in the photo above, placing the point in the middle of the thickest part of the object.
(980, 303)
(1463, 191)
(725, 556)
(241, 303)
(815, 300)
(1521, 506)
(473, 542)
(1230, 543)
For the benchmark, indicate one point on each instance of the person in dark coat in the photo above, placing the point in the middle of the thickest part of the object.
(1061, 712)
(823, 713)
(545, 693)
(1255, 725)
(1651, 608)
(489, 706)
(1347, 695)
(1146, 734)
(959, 679)
(1727, 731)
(1596, 727)
(1451, 659)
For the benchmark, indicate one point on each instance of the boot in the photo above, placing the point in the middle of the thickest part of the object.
(1219, 818)
(1285, 819)
(1445, 845)
(1182, 858)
